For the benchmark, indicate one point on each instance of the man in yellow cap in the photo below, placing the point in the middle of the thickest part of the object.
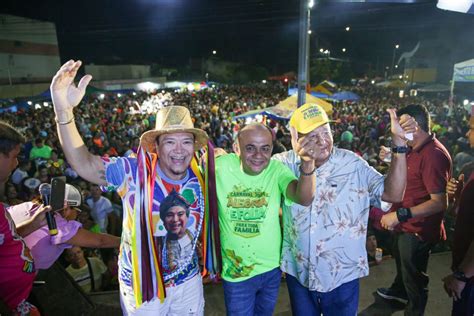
(323, 252)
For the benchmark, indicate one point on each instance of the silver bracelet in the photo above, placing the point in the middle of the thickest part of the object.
(64, 123)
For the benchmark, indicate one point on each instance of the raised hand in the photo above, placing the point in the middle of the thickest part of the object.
(64, 92)
(402, 126)
(304, 146)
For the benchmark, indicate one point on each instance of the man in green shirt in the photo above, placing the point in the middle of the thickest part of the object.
(40, 151)
(249, 190)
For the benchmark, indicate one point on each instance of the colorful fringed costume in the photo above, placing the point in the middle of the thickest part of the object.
(142, 186)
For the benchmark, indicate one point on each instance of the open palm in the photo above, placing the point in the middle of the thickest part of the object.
(64, 92)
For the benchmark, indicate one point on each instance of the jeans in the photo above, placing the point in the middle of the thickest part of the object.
(465, 306)
(254, 296)
(342, 301)
(411, 256)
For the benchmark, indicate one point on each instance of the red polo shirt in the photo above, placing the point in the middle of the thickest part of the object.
(429, 169)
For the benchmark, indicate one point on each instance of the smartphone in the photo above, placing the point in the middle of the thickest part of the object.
(58, 193)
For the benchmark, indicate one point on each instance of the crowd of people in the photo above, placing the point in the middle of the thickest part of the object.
(108, 158)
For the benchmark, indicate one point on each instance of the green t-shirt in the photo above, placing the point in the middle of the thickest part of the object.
(43, 152)
(248, 217)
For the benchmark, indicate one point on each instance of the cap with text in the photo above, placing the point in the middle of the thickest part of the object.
(308, 117)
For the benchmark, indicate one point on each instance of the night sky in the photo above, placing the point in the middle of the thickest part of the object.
(261, 32)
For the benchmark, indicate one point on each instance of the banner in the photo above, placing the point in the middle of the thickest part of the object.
(464, 72)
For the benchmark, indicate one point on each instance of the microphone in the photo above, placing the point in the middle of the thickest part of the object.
(45, 191)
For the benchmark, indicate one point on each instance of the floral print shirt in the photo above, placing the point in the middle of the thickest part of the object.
(324, 243)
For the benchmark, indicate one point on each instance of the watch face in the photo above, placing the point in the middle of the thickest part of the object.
(460, 276)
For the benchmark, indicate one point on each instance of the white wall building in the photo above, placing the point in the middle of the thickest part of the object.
(28, 50)
(117, 72)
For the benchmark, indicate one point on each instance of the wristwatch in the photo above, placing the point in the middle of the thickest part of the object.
(403, 214)
(400, 149)
(460, 276)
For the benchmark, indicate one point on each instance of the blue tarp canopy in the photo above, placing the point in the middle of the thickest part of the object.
(345, 96)
(316, 94)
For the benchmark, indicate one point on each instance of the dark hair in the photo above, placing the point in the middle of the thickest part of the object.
(9, 138)
(420, 113)
(173, 199)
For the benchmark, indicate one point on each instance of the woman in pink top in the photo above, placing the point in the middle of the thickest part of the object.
(46, 249)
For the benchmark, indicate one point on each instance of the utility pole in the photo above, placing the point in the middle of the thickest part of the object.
(303, 51)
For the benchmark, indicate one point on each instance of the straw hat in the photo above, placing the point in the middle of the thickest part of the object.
(172, 119)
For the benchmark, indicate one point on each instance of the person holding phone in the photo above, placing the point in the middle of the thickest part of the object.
(45, 248)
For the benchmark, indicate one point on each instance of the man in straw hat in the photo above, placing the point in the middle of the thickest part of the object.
(323, 251)
(164, 163)
(250, 187)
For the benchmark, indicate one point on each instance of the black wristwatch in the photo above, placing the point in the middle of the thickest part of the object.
(460, 276)
(400, 149)
(403, 214)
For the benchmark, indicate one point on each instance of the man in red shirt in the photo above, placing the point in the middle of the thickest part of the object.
(418, 220)
(459, 284)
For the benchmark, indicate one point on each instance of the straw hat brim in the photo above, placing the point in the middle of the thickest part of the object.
(148, 139)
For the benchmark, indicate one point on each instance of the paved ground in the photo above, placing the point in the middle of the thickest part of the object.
(370, 304)
(439, 304)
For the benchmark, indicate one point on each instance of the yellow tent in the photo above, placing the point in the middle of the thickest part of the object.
(285, 108)
(326, 87)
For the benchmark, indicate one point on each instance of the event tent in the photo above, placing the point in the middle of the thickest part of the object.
(463, 72)
(316, 94)
(285, 108)
(326, 87)
(434, 88)
(395, 84)
(345, 96)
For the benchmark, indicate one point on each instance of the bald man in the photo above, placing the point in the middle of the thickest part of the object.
(249, 190)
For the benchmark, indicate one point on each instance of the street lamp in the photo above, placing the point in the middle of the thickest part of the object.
(321, 50)
(343, 50)
(309, 32)
(214, 52)
(393, 57)
(348, 28)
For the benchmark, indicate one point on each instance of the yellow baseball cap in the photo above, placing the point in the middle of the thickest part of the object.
(308, 117)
